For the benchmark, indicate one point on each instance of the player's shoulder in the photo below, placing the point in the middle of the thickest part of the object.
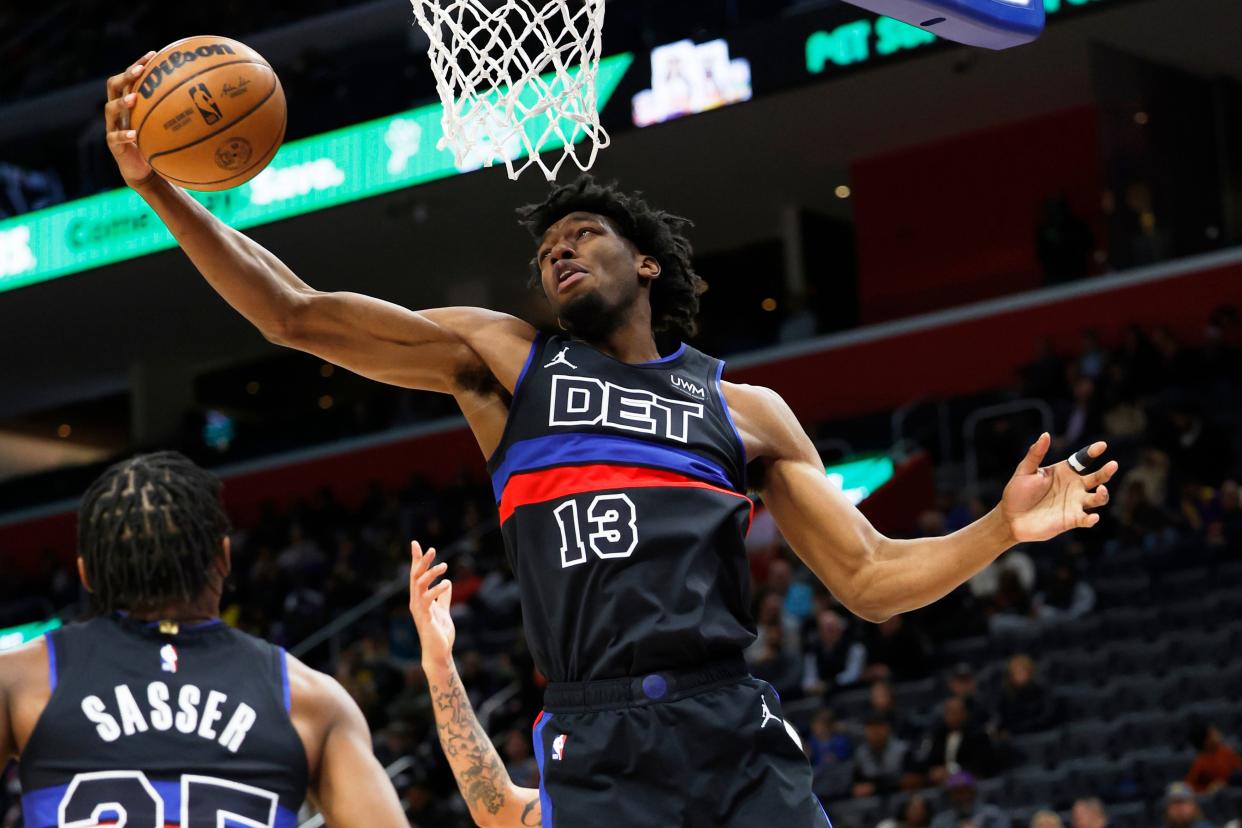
(315, 694)
(757, 400)
(24, 665)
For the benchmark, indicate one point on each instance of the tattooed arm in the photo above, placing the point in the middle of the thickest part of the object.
(493, 799)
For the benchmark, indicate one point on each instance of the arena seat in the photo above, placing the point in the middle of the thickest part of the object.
(1041, 749)
(1036, 786)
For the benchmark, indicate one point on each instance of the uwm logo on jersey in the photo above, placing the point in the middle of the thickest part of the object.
(586, 401)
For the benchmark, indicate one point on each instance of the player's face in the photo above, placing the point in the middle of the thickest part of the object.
(590, 273)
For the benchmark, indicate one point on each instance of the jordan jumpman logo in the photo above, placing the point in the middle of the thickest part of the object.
(767, 714)
(560, 359)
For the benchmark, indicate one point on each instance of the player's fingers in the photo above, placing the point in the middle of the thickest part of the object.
(121, 137)
(424, 581)
(423, 561)
(1035, 454)
(1089, 520)
(1101, 476)
(443, 593)
(117, 83)
(1097, 498)
(416, 555)
(1096, 449)
(116, 111)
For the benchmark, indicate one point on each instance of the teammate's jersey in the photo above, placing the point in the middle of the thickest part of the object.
(153, 730)
(622, 502)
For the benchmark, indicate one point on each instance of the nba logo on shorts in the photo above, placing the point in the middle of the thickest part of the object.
(168, 658)
(558, 746)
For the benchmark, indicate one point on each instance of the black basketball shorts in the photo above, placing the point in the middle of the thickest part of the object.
(697, 749)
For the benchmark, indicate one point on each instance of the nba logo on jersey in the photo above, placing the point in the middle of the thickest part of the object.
(558, 746)
(168, 658)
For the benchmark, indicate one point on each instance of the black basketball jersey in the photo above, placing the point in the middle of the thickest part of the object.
(623, 506)
(158, 729)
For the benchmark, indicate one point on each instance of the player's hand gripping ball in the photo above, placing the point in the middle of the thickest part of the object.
(207, 113)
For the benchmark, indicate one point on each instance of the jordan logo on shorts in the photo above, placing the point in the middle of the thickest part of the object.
(767, 714)
(560, 359)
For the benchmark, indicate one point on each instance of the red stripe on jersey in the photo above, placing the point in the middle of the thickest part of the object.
(552, 484)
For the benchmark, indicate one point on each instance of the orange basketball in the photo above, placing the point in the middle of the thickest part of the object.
(210, 113)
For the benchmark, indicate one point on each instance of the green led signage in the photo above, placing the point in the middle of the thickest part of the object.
(860, 477)
(12, 637)
(314, 173)
(860, 41)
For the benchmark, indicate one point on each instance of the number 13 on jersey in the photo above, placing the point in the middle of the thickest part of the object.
(609, 524)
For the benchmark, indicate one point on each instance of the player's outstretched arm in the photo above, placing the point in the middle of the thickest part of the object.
(348, 784)
(444, 350)
(877, 577)
(493, 799)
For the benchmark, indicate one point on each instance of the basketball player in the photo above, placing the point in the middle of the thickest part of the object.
(620, 474)
(155, 713)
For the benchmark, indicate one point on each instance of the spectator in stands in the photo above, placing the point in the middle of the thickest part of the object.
(1064, 242)
(1013, 608)
(897, 651)
(965, 809)
(771, 613)
(1081, 419)
(986, 583)
(1066, 595)
(775, 664)
(519, 760)
(956, 743)
(1199, 449)
(1223, 517)
(1046, 819)
(914, 812)
(1216, 763)
(1181, 808)
(1088, 813)
(1141, 523)
(964, 685)
(827, 742)
(422, 806)
(795, 595)
(880, 761)
(1025, 704)
(882, 703)
(834, 658)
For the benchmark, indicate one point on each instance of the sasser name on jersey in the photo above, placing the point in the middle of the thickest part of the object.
(191, 712)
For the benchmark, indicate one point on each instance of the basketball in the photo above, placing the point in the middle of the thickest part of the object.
(210, 113)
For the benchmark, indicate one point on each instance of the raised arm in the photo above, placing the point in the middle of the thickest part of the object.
(877, 577)
(348, 784)
(454, 350)
(493, 799)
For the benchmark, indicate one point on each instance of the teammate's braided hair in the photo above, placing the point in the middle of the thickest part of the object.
(148, 531)
(656, 233)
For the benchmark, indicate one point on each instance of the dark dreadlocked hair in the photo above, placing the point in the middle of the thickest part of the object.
(656, 233)
(148, 531)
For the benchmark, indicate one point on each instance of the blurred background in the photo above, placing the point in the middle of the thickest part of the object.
(933, 252)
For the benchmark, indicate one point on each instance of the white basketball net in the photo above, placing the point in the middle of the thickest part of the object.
(516, 77)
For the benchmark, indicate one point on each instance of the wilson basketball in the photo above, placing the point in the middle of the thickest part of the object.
(210, 113)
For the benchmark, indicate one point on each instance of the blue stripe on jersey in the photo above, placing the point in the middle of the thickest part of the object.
(545, 801)
(284, 680)
(530, 357)
(41, 808)
(51, 661)
(579, 448)
(741, 447)
(681, 349)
